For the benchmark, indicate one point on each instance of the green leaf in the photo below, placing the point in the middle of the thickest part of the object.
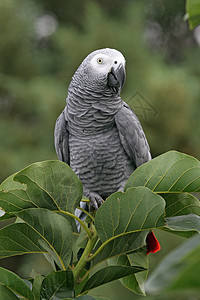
(135, 210)
(16, 200)
(82, 297)
(82, 240)
(88, 297)
(36, 287)
(170, 172)
(43, 232)
(6, 294)
(121, 245)
(59, 284)
(57, 179)
(15, 284)
(193, 12)
(50, 184)
(10, 184)
(53, 230)
(4, 216)
(134, 282)
(18, 239)
(125, 226)
(109, 274)
(184, 234)
(178, 270)
(181, 204)
(137, 281)
(189, 222)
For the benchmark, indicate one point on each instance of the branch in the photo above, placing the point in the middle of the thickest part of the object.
(86, 254)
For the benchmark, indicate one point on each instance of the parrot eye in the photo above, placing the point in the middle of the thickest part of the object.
(100, 60)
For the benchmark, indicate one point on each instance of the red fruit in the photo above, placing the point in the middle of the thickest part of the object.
(153, 244)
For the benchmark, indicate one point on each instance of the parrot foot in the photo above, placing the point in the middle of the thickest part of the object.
(95, 200)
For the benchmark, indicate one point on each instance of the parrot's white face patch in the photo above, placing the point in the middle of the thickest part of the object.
(102, 63)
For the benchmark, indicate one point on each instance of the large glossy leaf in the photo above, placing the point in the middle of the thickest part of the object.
(168, 173)
(181, 204)
(57, 179)
(54, 232)
(134, 282)
(193, 12)
(50, 184)
(59, 284)
(6, 294)
(17, 239)
(178, 270)
(43, 232)
(121, 245)
(135, 210)
(19, 199)
(15, 284)
(109, 274)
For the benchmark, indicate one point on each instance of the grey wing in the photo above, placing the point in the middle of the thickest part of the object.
(132, 136)
(61, 139)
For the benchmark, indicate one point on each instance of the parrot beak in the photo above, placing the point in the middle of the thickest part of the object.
(116, 77)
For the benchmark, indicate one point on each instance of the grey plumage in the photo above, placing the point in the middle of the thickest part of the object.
(97, 133)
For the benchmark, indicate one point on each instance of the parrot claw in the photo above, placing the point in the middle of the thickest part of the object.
(95, 200)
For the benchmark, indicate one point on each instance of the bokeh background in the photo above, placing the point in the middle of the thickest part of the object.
(41, 45)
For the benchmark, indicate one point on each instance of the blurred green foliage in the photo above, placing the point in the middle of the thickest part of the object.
(42, 44)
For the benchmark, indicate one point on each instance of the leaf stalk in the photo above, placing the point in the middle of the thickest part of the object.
(79, 220)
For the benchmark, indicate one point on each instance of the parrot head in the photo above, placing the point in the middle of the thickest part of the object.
(104, 68)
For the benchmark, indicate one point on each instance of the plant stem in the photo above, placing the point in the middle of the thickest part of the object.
(84, 258)
(87, 213)
(79, 220)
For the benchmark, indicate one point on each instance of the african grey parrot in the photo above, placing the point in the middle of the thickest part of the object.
(97, 133)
